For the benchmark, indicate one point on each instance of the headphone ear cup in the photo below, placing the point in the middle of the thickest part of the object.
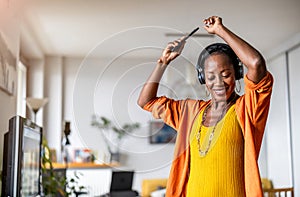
(201, 77)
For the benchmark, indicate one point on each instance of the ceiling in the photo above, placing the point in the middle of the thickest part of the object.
(77, 28)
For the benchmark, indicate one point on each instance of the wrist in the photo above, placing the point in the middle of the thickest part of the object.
(161, 65)
(221, 30)
(163, 62)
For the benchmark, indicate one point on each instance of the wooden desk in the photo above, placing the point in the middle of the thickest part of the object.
(84, 165)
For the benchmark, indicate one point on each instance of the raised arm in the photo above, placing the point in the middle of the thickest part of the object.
(250, 57)
(149, 90)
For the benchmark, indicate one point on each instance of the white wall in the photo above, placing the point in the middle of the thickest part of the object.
(10, 32)
(283, 136)
(35, 73)
(278, 140)
(294, 71)
(53, 109)
(9, 29)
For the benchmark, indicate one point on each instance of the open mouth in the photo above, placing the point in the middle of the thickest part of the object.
(220, 91)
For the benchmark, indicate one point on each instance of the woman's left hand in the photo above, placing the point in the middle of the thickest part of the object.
(212, 24)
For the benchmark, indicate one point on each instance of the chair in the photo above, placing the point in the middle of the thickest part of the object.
(278, 192)
(266, 183)
(80, 193)
(150, 185)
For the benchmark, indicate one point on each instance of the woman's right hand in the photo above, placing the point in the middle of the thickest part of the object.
(172, 50)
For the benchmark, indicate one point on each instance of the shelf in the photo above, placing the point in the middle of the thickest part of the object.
(84, 165)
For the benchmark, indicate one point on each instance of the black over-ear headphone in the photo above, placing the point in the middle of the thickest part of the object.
(222, 49)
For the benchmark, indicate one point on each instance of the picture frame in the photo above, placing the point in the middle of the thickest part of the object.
(83, 155)
(8, 69)
(161, 133)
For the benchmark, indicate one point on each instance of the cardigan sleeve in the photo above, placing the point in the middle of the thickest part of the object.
(169, 110)
(252, 111)
(252, 108)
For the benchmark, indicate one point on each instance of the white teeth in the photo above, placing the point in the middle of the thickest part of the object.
(222, 91)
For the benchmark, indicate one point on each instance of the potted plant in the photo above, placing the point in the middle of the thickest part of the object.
(54, 184)
(105, 124)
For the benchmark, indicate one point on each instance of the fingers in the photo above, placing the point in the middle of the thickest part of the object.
(172, 50)
(212, 20)
(176, 44)
(179, 44)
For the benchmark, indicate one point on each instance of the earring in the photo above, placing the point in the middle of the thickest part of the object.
(238, 86)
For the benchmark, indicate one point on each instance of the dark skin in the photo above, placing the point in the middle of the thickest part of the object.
(219, 73)
(250, 57)
(220, 82)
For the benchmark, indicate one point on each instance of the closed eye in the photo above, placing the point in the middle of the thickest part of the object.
(226, 74)
(210, 78)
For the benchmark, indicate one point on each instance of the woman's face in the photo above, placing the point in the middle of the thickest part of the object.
(219, 76)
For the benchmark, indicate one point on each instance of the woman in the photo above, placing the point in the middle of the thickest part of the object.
(218, 141)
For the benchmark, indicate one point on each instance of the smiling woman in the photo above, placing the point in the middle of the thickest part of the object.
(218, 140)
(222, 67)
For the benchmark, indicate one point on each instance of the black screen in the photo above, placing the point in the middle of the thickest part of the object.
(21, 159)
(30, 162)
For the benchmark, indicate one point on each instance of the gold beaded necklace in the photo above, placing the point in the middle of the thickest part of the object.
(211, 136)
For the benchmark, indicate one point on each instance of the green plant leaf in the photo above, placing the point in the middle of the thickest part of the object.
(102, 122)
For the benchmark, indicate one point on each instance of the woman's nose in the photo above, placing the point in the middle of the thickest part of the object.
(219, 80)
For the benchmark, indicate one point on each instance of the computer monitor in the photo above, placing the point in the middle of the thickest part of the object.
(21, 170)
(121, 181)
